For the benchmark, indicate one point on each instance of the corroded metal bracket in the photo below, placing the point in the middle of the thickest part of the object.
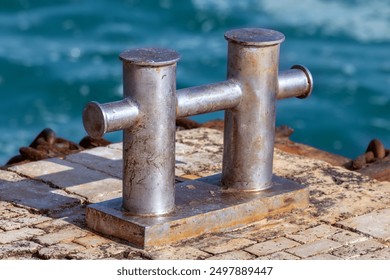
(147, 116)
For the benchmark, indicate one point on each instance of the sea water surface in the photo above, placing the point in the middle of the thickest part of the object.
(55, 56)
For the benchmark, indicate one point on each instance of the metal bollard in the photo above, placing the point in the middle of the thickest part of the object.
(151, 104)
(147, 116)
(253, 58)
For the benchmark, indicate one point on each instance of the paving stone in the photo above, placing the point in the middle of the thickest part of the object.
(22, 221)
(59, 251)
(103, 251)
(5, 205)
(314, 248)
(383, 187)
(75, 178)
(118, 146)
(22, 257)
(271, 228)
(19, 210)
(357, 249)
(199, 152)
(6, 214)
(88, 254)
(271, 246)
(37, 195)
(233, 255)
(18, 248)
(383, 254)
(74, 215)
(324, 257)
(102, 159)
(7, 177)
(113, 249)
(375, 224)
(65, 235)
(315, 233)
(347, 237)
(19, 234)
(179, 253)
(336, 195)
(228, 245)
(91, 241)
(288, 165)
(278, 256)
(342, 205)
(53, 225)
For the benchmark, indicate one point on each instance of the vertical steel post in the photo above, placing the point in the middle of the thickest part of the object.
(149, 80)
(253, 58)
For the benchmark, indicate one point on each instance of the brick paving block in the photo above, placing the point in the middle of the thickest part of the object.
(19, 234)
(75, 178)
(103, 251)
(233, 255)
(289, 165)
(59, 250)
(382, 254)
(88, 254)
(91, 241)
(342, 205)
(22, 221)
(53, 225)
(98, 191)
(113, 249)
(324, 257)
(383, 187)
(37, 195)
(314, 248)
(102, 159)
(228, 245)
(18, 248)
(19, 210)
(347, 237)
(278, 256)
(44, 168)
(206, 240)
(5, 205)
(315, 233)
(271, 228)
(6, 214)
(74, 215)
(7, 177)
(117, 146)
(271, 246)
(179, 253)
(357, 249)
(199, 152)
(375, 224)
(202, 138)
(67, 234)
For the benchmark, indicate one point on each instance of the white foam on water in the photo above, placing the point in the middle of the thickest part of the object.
(364, 21)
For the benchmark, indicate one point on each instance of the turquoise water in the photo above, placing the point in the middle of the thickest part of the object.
(55, 56)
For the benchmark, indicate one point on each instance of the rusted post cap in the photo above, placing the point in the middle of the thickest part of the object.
(254, 37)
(150, 56)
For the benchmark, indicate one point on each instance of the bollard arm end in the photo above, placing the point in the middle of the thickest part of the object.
(309, 79)
(94, 120)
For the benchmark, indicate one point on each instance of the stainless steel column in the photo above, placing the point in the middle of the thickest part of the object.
(149, 80)
(253, 58)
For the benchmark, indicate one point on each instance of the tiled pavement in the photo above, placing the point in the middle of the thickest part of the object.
(42, 210)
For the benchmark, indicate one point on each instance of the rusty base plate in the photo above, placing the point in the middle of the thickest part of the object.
(201, 207)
